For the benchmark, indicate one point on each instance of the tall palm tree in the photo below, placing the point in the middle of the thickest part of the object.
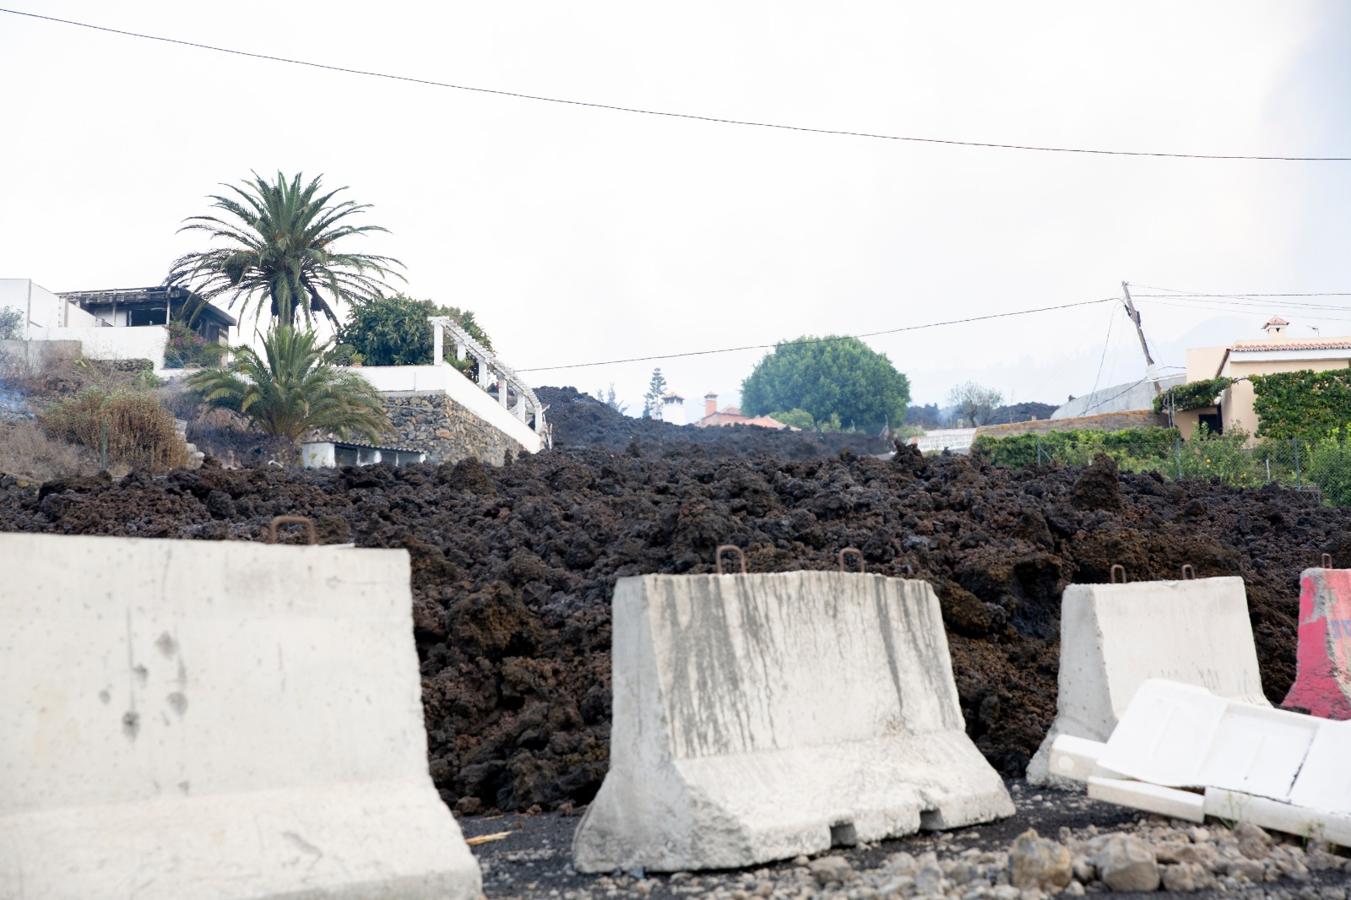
(293, 389)
(279, 246)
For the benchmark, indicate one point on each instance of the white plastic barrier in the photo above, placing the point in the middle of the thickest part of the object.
(1181, 750)
(1115, 636)
(1323, 678)
(757, 717)
(214, 720)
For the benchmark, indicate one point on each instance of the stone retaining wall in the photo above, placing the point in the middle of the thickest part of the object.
(1140, 418)
(446, 430)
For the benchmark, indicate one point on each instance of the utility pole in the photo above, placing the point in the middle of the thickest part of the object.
(1151, 371)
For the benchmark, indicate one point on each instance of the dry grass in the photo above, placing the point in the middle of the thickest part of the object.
(131, 427)
(28, 453)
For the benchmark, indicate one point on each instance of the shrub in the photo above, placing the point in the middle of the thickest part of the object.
(188, 349)
(27, 452)
(1133, 449)
(120, 427)
(1329, 462)
(11, 324)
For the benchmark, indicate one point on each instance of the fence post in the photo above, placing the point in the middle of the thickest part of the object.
(1268, 462)
(1177, 455)
(1295, 444)
(1038, 449)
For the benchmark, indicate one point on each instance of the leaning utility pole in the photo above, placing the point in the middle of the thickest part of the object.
(1151, 370)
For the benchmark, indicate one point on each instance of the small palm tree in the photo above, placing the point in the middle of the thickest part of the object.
(294, 390)
(280, 242)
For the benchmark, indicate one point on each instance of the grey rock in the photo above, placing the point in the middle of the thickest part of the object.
(1253, 842)
(1185, 877)
(1126, 863)
(1038, 863)
(831, 870)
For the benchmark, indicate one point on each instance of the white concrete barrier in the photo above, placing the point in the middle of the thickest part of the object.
(214, 720)
(1115, 636)
(1182, 750)
(1323, 675)
(757, 717)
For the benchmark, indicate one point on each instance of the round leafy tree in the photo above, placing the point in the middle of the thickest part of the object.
(394, 331)
(826, 378)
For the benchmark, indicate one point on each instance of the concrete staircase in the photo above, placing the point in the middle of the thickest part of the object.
(195, 456)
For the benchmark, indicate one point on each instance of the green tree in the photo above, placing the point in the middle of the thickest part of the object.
(394, 331)
(280, 249)
(293, 389)
(841, 377)
(656, 389)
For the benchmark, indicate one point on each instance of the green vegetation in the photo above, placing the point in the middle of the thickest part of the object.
(280, 251)
(832, 380)
(124, 426)
(293, 390)
(656, 389)
(1304, 406)
(11, 324)
(1324, 463)
(186, 349)
(1192, 395)
(1077, 448)
(394, 331)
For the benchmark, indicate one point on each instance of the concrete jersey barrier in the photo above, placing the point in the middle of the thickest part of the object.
(1323, 662)
(214, 720)
(758, 717)
(1115, 636)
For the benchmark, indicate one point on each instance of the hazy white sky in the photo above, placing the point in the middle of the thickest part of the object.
(580, 234)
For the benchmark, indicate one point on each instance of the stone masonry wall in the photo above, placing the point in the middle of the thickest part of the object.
(446, 430)
(1140, 418)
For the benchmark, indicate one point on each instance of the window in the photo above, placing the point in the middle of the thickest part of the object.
(147, 316)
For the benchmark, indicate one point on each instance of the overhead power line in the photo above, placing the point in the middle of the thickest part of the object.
(717, 120)
(823, 340)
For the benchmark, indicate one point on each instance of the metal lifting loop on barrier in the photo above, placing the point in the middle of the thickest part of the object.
(1188, 573)
(1118, 573)
(908, 569)
(311, 536)
(730, 548)
(1327, 560)
(845, 552)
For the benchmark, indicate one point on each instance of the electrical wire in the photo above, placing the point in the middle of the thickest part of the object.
(717, 120)
(823, 340)
(1111, 319)
(1196, 306)
(1178, 292)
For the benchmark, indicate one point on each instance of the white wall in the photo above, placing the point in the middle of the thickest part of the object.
(146, 342)
(447, 380)
(40, 307)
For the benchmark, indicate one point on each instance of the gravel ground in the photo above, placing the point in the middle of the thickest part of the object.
(1084, 847)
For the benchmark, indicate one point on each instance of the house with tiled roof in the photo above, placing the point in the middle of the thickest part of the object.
(1274, 353)
(732, 415)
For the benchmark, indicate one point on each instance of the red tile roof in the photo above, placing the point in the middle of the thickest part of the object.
(1269, 346)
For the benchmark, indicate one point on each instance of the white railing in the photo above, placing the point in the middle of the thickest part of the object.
(491, 372)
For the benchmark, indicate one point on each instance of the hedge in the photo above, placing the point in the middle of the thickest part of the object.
(1306, 405)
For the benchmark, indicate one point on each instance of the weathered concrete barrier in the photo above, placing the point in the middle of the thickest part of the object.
(1115, 636)
(757, 717)
(1183, 751)
(214, 720)
(1323, 676)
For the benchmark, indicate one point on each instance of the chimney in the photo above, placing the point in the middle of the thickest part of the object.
(710, 403)
(1275, 327)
